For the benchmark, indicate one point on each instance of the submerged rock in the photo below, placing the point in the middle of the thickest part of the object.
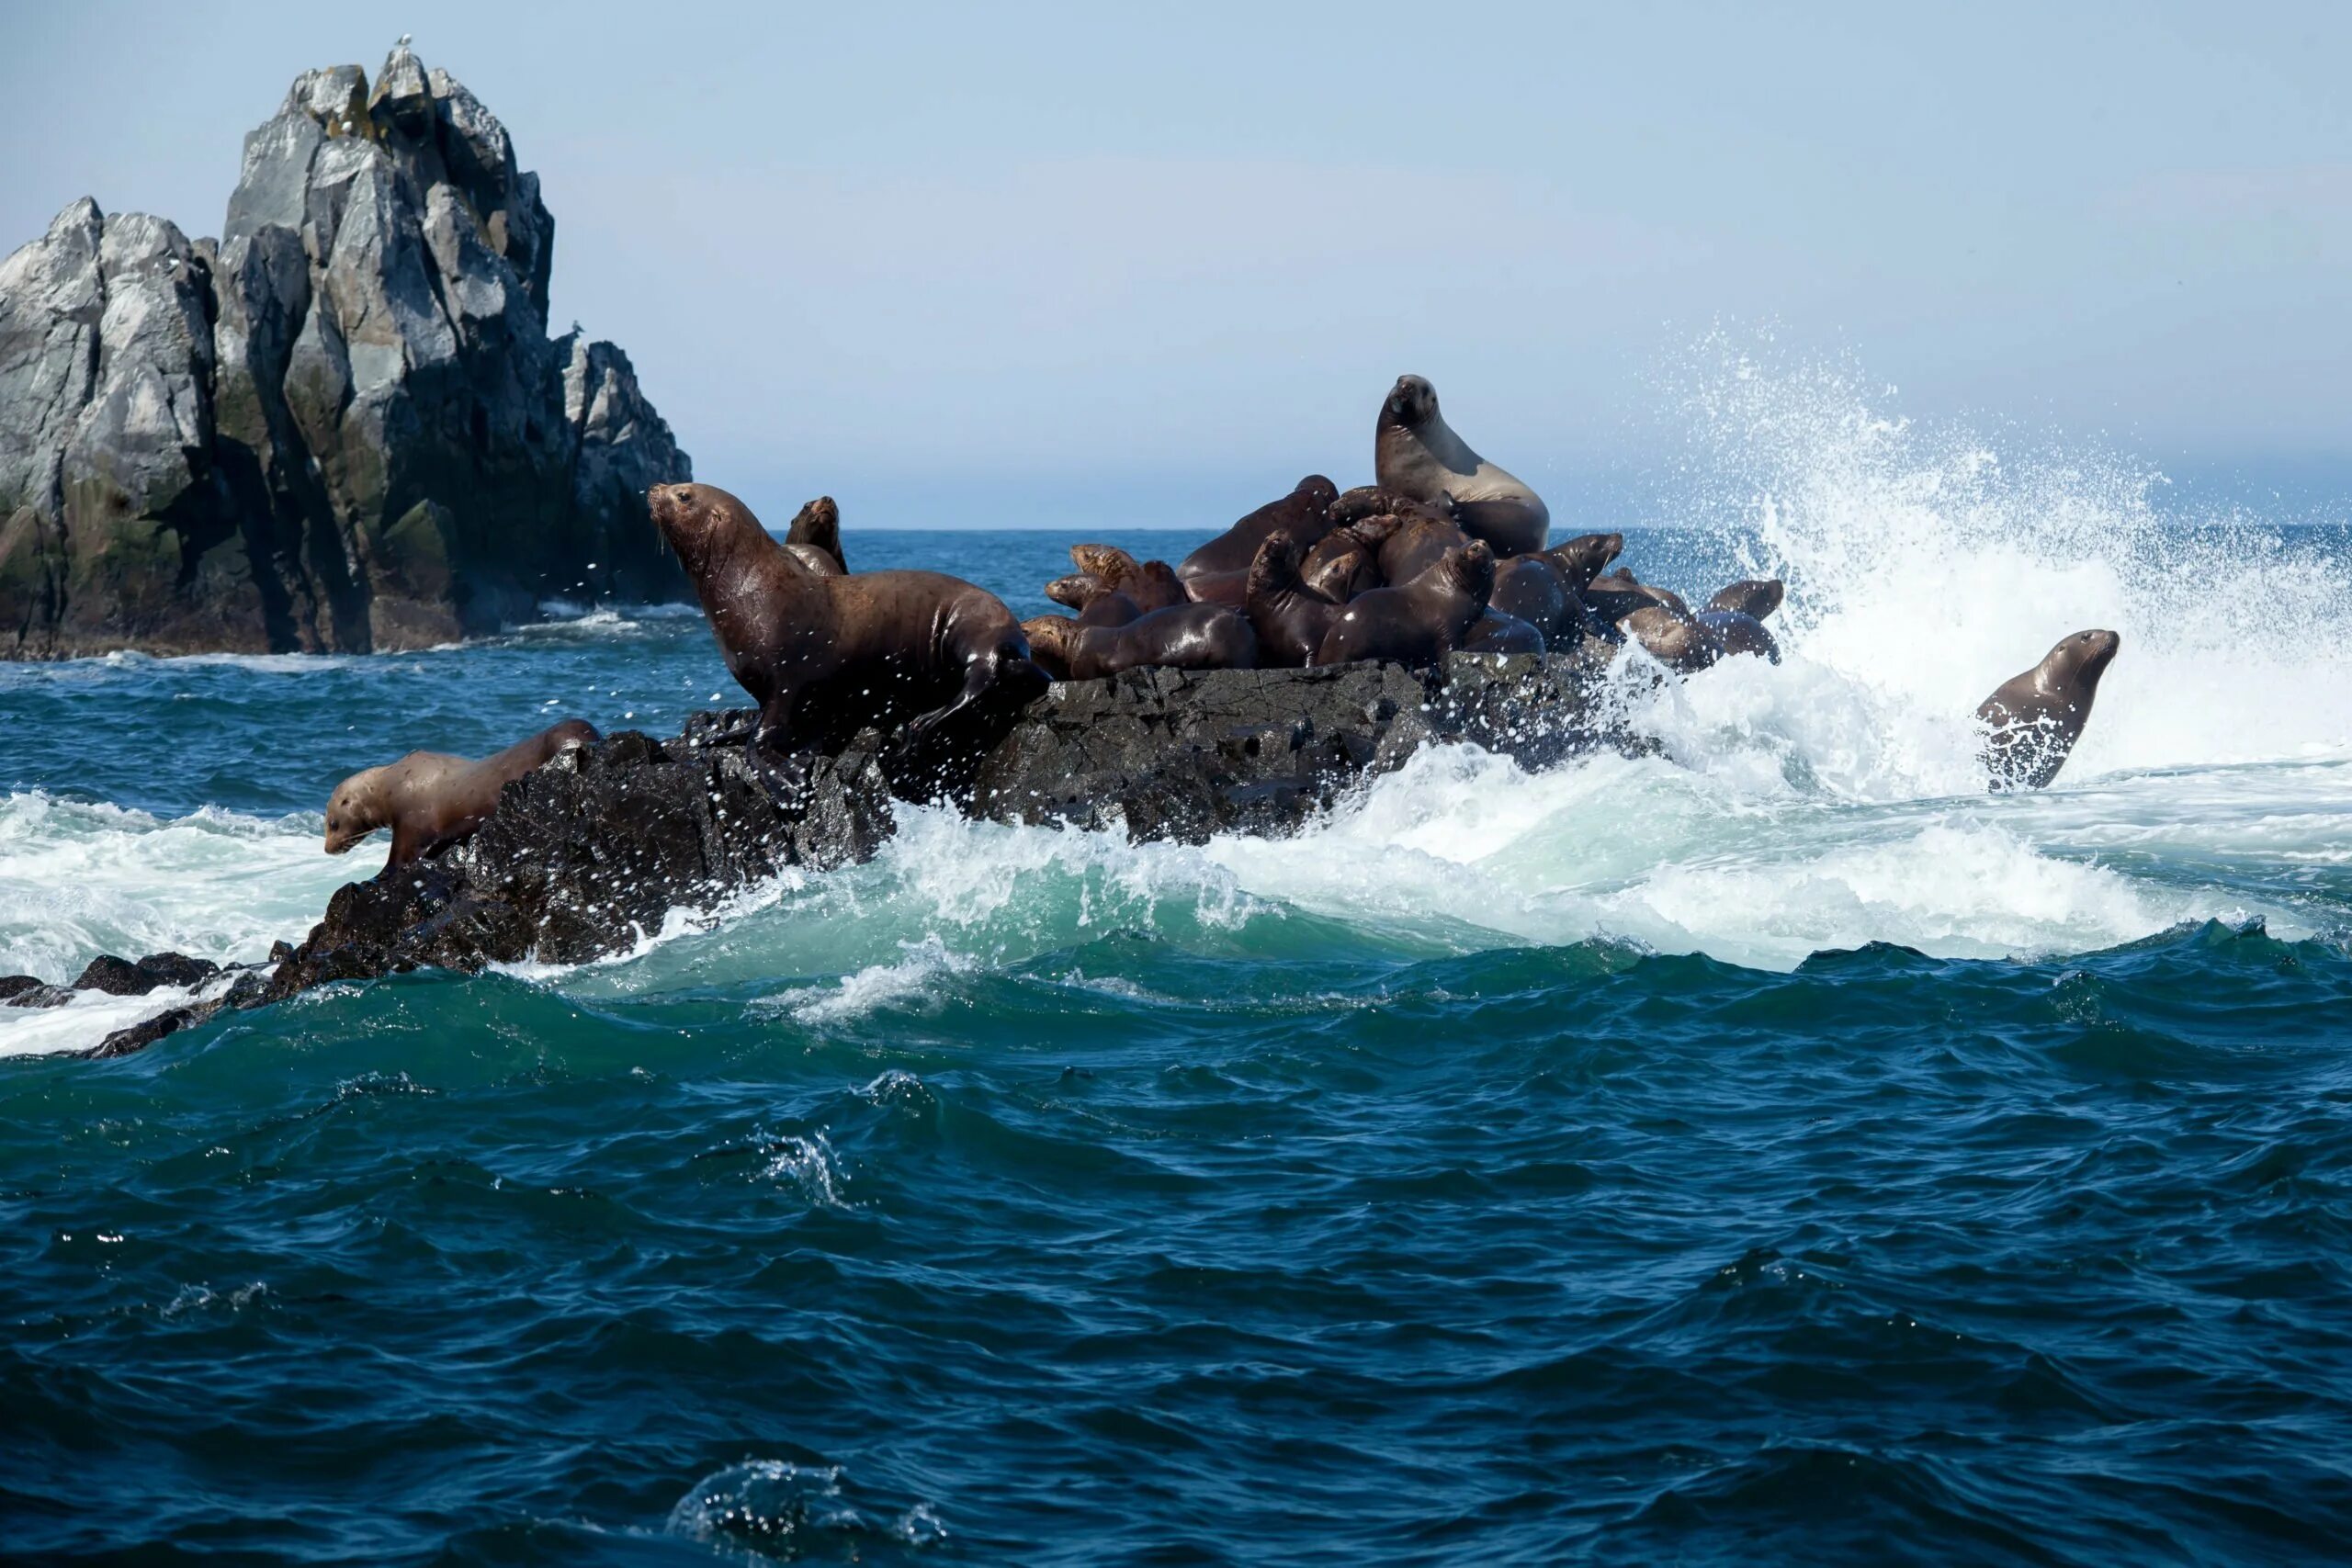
(343, 427)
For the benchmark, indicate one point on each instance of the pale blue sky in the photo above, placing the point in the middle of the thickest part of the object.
(998, 262)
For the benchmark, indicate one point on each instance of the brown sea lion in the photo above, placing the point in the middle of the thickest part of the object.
(1152, 585)
(1418, 545)
(1416, 453)
(1671, 638)
(1614, 595)
(1740, 633)
(1419, 623)
(2033, 720)
(1534, 588)
(1757, 596)
(430, 799)
(1076, 590)
(1496, 632)
(1182, 636)
(1367, 501)
(1340, 566)
(1580, 559)
(1304, 514)
(823, 657)
(1289, 618)
(815, 538)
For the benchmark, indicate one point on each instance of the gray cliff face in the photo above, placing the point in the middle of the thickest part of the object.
(344, 427)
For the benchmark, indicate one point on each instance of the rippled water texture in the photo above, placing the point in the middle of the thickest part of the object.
(1775, 1149)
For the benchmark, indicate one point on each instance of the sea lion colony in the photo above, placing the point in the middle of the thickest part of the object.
(1443, 553)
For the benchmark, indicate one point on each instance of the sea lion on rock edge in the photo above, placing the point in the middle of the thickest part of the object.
(1304, 514)
(2034, 719)
(1416, 453)
(815, 538)
(1740, 633)
(430, 798)
(823, 657)
(1182, 636)
(1673, 640)
(1290, 621)
(1615, 596)
(1419, 623)
(1757, 596)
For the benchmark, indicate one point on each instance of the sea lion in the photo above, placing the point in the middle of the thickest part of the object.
(1532, 588)
(1757, 596)
(1076, 590)
(1496, 632)
(1181, 637)
(2033, 720)
(1674, 639)
(1420, 622)
(1152, 585)
(430, 799)
(823, 657)
(1290, 621)
(815, 538)
(1418, 544)
(1616, 595)
(1580, 559)
(1741, 632)
(1304, 514)
(1416, 453)
(1340, 566)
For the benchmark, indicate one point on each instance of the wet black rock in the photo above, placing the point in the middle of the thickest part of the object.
(15, 985)
(594, 852)
(124, 977)
(343, 426)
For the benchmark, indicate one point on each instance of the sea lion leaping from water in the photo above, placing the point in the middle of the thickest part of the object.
(2034, 719)
(429, 798)
(1416, 454)
(826, 656)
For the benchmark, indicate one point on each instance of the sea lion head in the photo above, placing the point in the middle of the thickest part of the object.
(1470, 569)
(2082, 658)
(1114, 566)
(702, 521)
(1411, 403)
(354, 810)
(1077, 590)
(1583, 557)
(1049, 637)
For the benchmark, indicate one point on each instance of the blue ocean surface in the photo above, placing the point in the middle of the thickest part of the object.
(1773, 1149)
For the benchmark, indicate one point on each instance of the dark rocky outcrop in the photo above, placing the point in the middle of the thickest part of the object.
(343, 427)
(592, 852)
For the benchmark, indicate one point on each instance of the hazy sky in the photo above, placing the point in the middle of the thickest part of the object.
(995, 263)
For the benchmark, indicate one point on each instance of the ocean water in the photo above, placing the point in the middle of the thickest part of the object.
(1774, 1149)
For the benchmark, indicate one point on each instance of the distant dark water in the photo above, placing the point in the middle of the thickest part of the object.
(1489, 1177)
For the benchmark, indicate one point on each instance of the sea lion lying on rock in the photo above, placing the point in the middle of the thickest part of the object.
(1416, 454)
(1290, 618)
(1182, 636)
(1496, 632)
(1419, 623)
(1218, 572)
(1152, 585)
(430, 799)
(824, 657)
(2033, 720)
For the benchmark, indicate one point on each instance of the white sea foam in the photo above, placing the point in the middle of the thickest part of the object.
(1829, 801)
